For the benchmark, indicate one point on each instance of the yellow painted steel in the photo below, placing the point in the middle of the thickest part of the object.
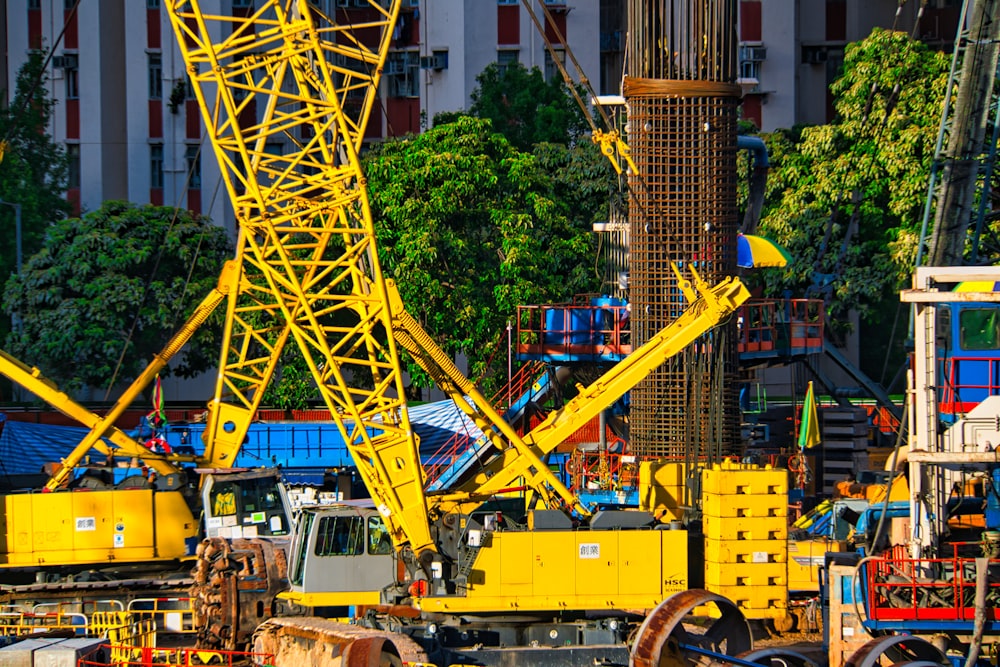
(805, 560)
(663, 489)
(310, 266)
(306, 244)
(82, 527)
(571, 570)
(739, 528)
(332, 599)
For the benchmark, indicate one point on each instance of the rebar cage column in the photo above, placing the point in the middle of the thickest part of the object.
(682, 102)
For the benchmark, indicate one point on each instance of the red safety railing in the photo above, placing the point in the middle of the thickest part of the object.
(448, 453)
(968, 381)
(926, 589)
(574, 329)
(123, 655)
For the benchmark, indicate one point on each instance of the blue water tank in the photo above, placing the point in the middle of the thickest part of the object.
(568, 326)
(607, 309)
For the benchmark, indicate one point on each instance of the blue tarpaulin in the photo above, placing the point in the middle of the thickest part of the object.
(26, 447)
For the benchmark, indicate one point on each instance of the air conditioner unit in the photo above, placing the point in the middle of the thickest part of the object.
(814, 55)
(754, 53)
(65, 61)
(438, 61)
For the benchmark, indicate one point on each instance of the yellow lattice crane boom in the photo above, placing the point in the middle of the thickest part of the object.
(306, 241)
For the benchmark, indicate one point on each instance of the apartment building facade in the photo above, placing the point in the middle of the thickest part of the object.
(792, 50)
(126, 115)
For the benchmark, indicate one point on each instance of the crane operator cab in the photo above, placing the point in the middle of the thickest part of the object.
(246, 505)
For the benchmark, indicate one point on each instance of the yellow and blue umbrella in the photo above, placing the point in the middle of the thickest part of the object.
(978, 286)
(757, 251)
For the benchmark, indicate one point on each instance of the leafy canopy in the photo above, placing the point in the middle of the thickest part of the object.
(846, 199)
(526, 108)
(34, 169)
(116, 284)
(470, 228)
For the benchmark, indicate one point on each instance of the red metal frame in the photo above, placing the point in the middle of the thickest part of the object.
(917, 582)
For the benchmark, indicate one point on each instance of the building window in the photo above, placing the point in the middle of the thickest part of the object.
(193, 155)
(156, 165)
(35, 4)
(73, 157)
(72, 76)
(402, 74)
(152, 4)
(507, 2)
(69, 5)
(507, 57)
(551, 69)
(155, 61)
(242, 4)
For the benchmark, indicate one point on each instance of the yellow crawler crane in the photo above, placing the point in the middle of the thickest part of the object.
(62, 531)
(289, 74)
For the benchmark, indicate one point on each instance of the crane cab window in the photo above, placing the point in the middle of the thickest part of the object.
(379, 542)
(340, 536)
(979, 329)
(224, 500)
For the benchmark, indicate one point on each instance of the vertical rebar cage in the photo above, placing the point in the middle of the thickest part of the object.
(682, 97)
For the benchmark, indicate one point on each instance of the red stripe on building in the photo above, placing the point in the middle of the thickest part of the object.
(153, 28)
(73, 196)
(155, 119)
(73, 119)
(836, 20)
(71, 39)
(508, 24)
(194, 201)
(403, 114)
(752, 109)
(558, 21)
(192, 118)
(34, 28)
(750, 23)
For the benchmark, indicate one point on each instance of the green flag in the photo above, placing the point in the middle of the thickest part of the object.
(809, 425)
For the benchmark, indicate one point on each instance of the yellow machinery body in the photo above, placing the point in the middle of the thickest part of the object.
(544, 570)
(92, 527)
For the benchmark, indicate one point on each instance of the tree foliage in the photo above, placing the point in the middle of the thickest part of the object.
(33, 171)
(470, 228)
(114, 285)
(846, 199)
(526, 108)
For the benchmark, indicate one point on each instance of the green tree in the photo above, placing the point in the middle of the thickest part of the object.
(470, 228)
(846, 199)
(34, 169)
(114, 285)
(526, 108)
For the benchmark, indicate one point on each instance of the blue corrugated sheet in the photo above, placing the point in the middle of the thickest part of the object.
(26, 447)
